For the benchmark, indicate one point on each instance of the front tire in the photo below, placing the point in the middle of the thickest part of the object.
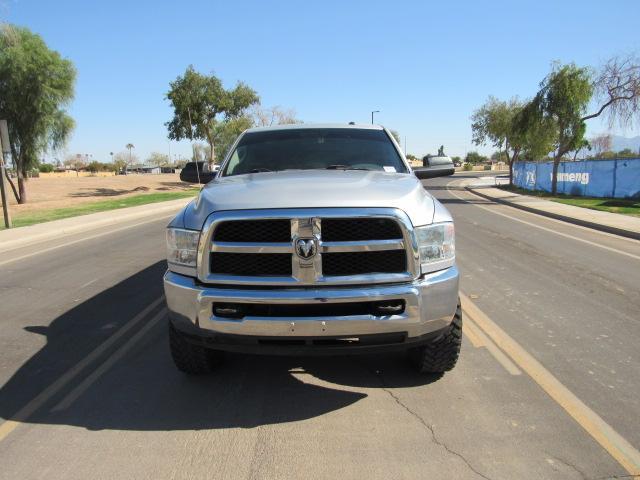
(442, 354)
(189, 358)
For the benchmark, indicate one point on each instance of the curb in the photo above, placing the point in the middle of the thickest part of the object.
(583, 223)
(91, 224)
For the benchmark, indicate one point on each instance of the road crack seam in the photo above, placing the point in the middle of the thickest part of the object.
(571, 466)
(429, 428)
(434, 437)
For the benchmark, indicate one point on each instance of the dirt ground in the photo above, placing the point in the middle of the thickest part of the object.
(46, 193)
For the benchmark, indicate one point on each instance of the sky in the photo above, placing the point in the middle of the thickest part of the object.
(425, 65)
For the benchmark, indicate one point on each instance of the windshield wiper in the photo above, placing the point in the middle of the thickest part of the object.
(344, 167)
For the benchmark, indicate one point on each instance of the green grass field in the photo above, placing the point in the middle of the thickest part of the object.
(100, 206)
(613, 205)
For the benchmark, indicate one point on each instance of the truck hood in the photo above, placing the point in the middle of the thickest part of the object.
(312, 189)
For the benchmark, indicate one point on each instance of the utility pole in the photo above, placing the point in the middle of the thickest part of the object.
(5, 149)
(375, 111)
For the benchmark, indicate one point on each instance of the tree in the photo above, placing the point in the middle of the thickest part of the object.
(76, 162)
(499, 156)
(130, 146)
(563, 99)
(276, 115)
(507, 126)
(600, 144)
(122, 159)
(95, 166)
(475, 157)
(565, 95)
(200, 152)
(158, 159)
(627, 153)
(36, 84)
(201, 103)
(617, 91)
(228, 130)
(496, 123)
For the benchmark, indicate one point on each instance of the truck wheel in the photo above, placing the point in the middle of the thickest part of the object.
(189, 358)
(442, 354)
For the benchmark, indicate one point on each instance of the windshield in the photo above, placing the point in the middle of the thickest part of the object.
(314, 148)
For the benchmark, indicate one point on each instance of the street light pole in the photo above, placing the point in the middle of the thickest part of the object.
(375, 111)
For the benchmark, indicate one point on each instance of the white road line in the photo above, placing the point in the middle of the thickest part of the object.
(614, 443)
(72, 396)
(73, 242)
(25, 412)
(465, 183)
(594, 244)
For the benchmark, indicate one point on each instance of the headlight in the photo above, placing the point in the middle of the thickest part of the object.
(437, 248)
(182, 249)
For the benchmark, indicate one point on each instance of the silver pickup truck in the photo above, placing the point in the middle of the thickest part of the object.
(313, 239)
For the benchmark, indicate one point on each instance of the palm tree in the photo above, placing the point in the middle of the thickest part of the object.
(129, 146)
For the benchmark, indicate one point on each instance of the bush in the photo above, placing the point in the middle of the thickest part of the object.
(467, 167)
(45, 168)
(487, 167)
(95, 167)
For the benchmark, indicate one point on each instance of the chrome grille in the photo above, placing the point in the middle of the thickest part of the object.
(366, 246)
(277, 230)
(359, 263)
(354, 229)
(250, 264)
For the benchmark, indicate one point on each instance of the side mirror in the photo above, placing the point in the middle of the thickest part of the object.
(196, 173)
(433, 172)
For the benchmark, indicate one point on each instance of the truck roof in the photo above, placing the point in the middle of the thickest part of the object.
(300, 126)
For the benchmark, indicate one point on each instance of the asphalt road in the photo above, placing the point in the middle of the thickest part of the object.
(89, 389)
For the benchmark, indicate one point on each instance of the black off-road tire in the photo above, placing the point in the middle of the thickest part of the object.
(442, 354)
(190, 358)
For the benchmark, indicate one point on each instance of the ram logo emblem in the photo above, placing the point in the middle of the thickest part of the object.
(306, 248)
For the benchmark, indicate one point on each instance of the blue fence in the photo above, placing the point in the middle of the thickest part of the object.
(618, 178)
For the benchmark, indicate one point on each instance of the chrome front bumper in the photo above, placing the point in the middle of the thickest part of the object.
(430, 304)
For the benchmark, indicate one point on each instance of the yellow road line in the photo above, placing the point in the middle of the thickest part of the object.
(472, 334)
(25, 412)
(617, 446)
(491, 347)
(67, 401)
(566, 235)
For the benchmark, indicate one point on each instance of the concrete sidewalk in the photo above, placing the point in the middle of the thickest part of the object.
(24, 236)
(623, 225)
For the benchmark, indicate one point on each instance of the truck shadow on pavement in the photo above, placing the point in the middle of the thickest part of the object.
(144, 391)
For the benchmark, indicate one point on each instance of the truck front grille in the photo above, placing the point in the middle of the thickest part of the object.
(359, 263)
(355, 229)
(277, 230)
(259, 247)
(251, 264)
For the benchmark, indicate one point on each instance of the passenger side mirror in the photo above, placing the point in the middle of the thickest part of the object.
(197, 172)
(432, 172)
